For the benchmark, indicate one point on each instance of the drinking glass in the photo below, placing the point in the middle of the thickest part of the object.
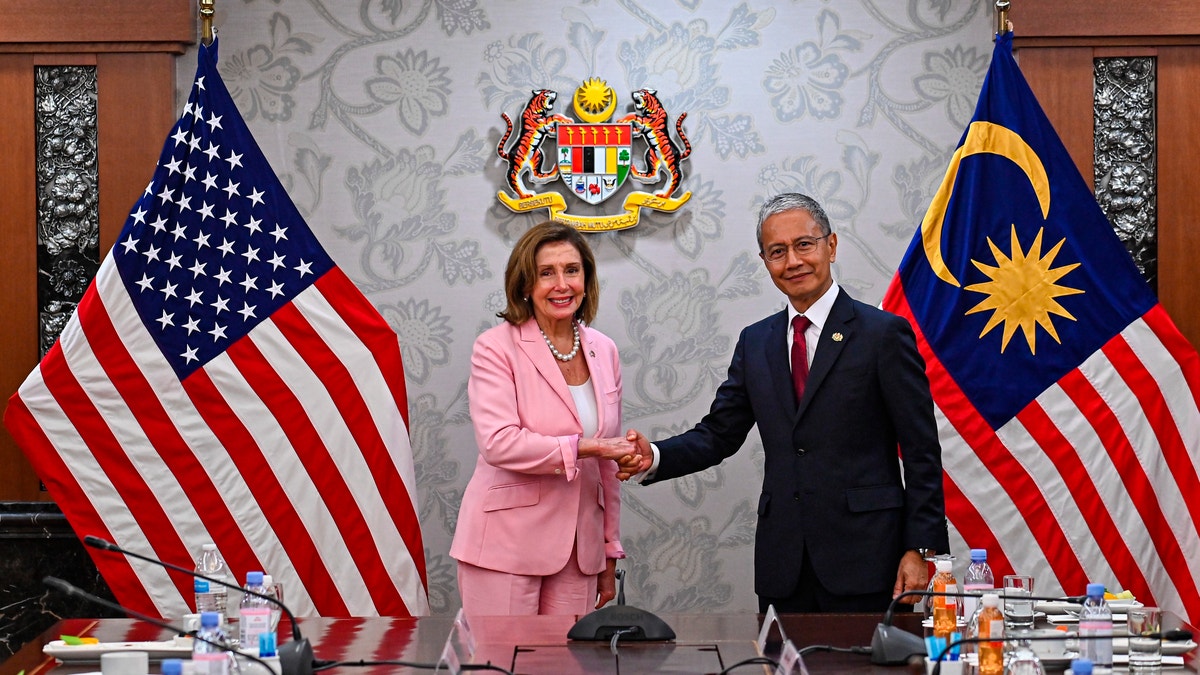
(1024, 661)
(1145, 653)
(1018, 613)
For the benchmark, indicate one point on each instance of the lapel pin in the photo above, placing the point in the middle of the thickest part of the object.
(837, 337)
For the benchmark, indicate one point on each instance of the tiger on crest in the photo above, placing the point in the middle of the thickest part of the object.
(649, 119)
(536, 123)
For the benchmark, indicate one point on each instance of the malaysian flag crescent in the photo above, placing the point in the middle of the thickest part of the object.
(1066, 397)
(222, 380)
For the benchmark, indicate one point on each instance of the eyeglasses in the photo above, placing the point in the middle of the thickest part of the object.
(802, 246)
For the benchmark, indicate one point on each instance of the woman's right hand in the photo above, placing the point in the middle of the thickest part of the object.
(618, 449)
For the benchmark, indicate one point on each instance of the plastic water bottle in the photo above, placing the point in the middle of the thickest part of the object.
(1095, 619)
(273, 591)
(978, 580)
(990, 626)
(208, 659)
(945, 609)
(211, 597)
(254, 616)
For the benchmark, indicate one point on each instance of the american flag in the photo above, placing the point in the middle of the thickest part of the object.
(222, 380)
(1066, 397)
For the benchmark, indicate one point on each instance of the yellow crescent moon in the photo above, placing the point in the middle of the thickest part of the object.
(603, 115)
(981, 137)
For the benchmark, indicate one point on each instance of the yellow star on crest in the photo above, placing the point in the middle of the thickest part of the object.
(1022, 290)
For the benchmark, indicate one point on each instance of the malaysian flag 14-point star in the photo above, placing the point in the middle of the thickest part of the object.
(222, 380)
(1066, 397)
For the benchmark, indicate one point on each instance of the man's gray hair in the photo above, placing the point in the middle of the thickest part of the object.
(791, 201)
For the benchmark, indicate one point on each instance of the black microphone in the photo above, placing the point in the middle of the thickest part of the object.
(295, 657)
(75, 591)
(891, 646)
(621, 621)
(1170, 636)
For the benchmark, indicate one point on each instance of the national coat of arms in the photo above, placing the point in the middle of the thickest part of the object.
(593, 157)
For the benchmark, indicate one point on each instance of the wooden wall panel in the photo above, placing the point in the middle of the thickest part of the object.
(129, 152)
(133, 47)
(1062, 80)
(1179, 188)
(18, 250)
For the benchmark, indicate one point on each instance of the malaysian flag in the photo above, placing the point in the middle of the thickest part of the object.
(222, 380)
(1066, 397)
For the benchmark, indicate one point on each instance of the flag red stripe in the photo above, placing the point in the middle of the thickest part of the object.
(1010, 474)
(974, 529)
(52, 469)
(274, 502)
(315, 458)
(110, 456)
(362, 318)
(346, 397)
(1177, 346)
(164, 438)
(1153, 406)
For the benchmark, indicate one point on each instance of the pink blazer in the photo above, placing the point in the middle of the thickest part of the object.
(531, 499)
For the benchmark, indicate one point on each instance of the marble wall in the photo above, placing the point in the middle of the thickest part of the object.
(36, 542)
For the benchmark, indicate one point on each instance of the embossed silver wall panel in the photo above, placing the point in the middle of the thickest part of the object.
(68, 217)
(1125, 161)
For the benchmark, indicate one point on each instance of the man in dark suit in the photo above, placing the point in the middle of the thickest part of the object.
(843, 523)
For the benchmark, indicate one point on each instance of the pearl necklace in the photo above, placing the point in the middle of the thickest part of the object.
(557, 354)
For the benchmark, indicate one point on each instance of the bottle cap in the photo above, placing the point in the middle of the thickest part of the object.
(990, 600)
(944, 565)
(268, 580)
(1095, 590)
(172, 667)
(266, 644)
(209, 547)
(254, 578)
(979, 555)
(1078, 667)
(210, 619)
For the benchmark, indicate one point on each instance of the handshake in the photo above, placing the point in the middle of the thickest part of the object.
(632, 453)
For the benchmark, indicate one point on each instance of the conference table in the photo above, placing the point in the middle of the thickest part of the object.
(705, 643)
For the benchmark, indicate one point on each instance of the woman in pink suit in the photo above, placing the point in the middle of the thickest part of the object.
(538, 530)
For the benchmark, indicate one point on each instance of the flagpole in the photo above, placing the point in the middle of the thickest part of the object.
(206, 21)
(1002, 24)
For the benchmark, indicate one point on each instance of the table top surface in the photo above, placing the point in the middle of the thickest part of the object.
(705, 643)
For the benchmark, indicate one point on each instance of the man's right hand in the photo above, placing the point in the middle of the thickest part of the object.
(639, 461)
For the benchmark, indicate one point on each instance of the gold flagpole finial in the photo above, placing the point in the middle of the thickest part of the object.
(1003, 25)
(206, 21)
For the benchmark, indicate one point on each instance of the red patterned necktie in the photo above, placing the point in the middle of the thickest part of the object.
(799, 355)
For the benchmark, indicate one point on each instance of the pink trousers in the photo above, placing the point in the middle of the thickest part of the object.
(491, 593)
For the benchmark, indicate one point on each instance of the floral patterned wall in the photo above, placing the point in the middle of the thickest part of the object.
(382, 118)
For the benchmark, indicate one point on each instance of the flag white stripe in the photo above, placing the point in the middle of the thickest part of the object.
(313, 396)
(377, 396)
(306, 499)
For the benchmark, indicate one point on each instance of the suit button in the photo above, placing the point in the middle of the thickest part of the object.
(795, 496)
(800, 451)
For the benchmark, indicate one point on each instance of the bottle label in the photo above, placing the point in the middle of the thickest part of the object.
(254, 622)
(200, 586)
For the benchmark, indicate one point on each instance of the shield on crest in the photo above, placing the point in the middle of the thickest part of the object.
(594, 159)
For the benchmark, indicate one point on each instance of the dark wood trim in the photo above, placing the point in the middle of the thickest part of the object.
(1106, 20)
(109, 22)
(18, 250)
(1178, 195)
(1062, 81)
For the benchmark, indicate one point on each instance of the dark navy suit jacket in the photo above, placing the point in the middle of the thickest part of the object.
(832, 483)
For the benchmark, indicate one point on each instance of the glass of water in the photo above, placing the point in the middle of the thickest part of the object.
(1018, 612)
(1145, 652)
